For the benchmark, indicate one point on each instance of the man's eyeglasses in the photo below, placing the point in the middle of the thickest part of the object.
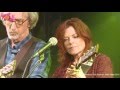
(8, 19)
(18, 22)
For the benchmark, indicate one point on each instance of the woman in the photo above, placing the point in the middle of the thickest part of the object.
(74, 39)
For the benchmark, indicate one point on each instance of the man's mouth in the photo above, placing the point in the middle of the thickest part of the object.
(13, 33)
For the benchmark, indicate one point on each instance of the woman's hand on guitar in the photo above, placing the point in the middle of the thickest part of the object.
(72, 72)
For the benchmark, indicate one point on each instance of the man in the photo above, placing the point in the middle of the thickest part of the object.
(17, 50)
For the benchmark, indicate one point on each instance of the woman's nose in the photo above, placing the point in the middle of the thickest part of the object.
(71, 40)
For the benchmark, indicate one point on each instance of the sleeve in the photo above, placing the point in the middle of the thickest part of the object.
(41, 69)
(104, 67)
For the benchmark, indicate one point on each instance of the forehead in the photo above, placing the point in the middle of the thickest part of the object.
(69, 31)
(17, 14)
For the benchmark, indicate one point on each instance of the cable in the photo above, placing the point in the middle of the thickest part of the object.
(36, 65)
(26, 67)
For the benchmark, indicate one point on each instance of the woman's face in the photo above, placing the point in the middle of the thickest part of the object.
(73, 44)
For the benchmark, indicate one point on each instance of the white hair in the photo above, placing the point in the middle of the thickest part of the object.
(33, 18)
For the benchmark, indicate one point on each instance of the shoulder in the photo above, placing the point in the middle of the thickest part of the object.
(39, 41)
(102, 58)
(102, 61)
(40, 44)
(3, 41)
(102, 67)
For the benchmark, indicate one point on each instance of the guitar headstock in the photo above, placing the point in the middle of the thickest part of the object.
(88, 54)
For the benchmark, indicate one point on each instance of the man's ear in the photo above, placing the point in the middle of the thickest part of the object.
(28, 24)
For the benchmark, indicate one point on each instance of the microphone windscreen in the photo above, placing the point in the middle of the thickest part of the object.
(53, 41)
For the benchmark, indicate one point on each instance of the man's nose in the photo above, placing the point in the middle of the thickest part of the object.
(13, 26)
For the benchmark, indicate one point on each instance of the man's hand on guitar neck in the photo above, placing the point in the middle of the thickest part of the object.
(7, 70)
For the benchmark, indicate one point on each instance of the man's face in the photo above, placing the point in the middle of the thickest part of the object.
(17, 25)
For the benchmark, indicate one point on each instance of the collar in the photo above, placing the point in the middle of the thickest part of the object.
(20, 44)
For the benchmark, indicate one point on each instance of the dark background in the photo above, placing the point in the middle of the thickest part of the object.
(105, 28)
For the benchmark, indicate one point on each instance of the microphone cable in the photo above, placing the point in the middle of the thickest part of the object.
(26, 67)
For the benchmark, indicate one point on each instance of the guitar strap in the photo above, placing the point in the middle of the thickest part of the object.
(24, 50)
(23, 56)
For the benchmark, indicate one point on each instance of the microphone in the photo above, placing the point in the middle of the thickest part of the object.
(52, 42)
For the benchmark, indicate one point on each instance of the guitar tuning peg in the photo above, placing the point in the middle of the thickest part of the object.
(83, 54)
(91, 53)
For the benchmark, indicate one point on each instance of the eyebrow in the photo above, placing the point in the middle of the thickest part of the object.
(71, 35)
(19, 19)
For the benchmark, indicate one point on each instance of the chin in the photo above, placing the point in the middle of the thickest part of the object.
(13, 38)
(73, 53)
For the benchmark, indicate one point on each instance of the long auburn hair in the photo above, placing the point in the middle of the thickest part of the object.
(82, 31)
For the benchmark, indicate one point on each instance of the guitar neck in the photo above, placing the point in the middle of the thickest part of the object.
(87, 55)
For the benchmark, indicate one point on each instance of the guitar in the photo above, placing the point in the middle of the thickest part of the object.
(8, 70)
(88, 54)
